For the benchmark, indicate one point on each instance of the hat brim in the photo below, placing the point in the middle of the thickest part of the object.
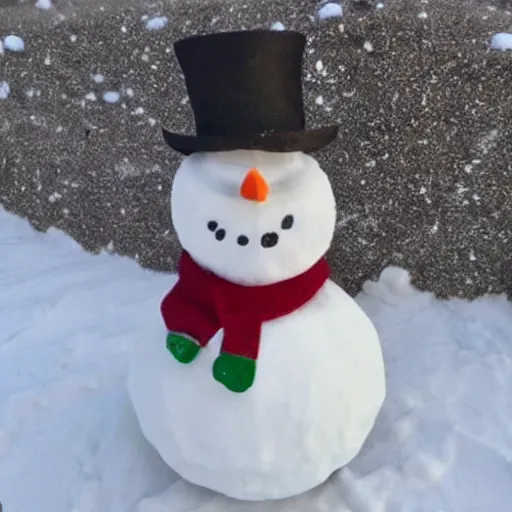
(307, 141)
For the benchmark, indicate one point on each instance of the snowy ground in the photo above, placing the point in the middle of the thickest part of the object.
(69, 441)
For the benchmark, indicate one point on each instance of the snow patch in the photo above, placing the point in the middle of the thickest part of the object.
(156, 23)
(5, 90)
(14, 43)
(330, 10)
(45, 5)
(111, 97)
(368, 46)
(54, 196)
(488, 141)
(278, 26)
(501, 41)
(68, 319)
(98, 78)
(33, 92)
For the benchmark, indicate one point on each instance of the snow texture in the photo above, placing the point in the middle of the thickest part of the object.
(69, 439)
(45, 5)
(14, 43)
(4, 90)
(157, 23)
(330, 10)
(501, 41)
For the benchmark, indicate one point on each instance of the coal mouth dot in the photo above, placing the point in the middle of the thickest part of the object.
(212, 225)
(242, 240)
(220, 234)
(269, 240)
(287, 222)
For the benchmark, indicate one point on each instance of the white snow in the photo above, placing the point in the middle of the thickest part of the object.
(30, 93)
(69, 440)
(157, 23)
(501, 41)
(54, 196)
(98, 78)
(44, 4)
(330, 10)
(14, 43)
(368, 46)
(5, 90)
(278, 26)
(111, 97)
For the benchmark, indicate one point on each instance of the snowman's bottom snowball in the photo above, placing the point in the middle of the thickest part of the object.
(319, 387)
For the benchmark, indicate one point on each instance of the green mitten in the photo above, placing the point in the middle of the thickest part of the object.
(235, 372)
(182, 347)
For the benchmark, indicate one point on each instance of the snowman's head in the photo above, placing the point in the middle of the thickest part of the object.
(253, 217)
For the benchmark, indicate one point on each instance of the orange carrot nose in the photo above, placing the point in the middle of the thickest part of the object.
(254, 187)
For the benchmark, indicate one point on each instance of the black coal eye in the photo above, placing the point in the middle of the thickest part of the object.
(242, 240)
(220, 234)
(287, 222)
(269, 240)
(212, 225)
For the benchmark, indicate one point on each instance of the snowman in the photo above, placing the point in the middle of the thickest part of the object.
(260, 377)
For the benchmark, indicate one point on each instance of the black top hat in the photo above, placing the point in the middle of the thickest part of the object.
(245, 89)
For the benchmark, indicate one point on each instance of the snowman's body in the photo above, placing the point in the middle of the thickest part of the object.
(320, 376)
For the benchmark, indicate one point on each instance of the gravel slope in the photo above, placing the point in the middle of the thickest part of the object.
(421, 169)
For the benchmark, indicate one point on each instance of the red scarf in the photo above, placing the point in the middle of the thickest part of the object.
(201, 303)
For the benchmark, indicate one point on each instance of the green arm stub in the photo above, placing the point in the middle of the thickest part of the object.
(237, 373)
(182, 347)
